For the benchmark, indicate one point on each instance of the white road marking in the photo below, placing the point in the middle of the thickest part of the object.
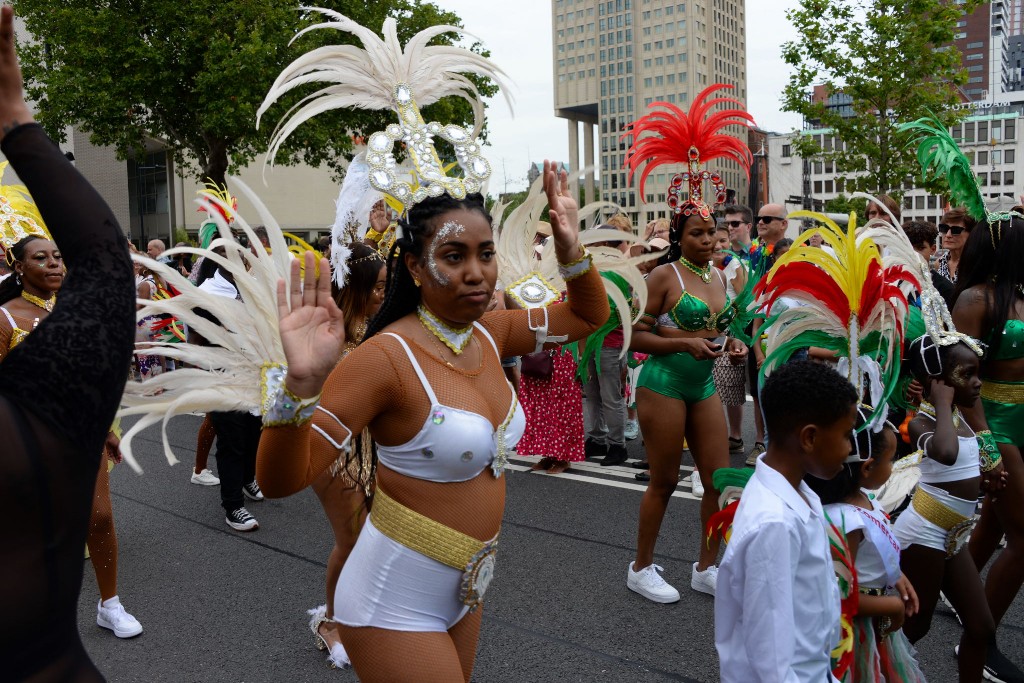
(617, 471)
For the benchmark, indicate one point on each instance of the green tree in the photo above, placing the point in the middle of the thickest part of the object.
(843, 204)
(192, 75)
(894, 58)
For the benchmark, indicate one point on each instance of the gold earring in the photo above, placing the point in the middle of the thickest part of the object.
(416, 281)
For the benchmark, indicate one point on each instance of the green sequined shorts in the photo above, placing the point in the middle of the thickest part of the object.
(679, 376)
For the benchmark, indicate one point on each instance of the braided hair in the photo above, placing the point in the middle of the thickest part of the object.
(11, 287)
(403, 296)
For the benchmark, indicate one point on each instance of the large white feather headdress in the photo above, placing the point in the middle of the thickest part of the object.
(383, 75)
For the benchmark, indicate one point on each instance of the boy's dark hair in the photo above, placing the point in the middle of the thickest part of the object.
(802, 393)
(784, 243)
(921, 233)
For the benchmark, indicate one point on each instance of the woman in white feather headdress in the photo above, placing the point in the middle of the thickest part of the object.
(429, 386)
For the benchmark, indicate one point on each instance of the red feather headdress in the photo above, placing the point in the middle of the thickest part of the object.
(689, 137)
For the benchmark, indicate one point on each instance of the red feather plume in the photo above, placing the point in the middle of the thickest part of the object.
(675, 131)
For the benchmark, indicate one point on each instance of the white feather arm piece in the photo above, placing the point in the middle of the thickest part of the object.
(227, 376)
(367, 77)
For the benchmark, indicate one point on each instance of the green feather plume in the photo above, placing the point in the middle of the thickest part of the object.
(939, 152)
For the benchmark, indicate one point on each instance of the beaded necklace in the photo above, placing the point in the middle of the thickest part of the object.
(704, 273)
(929, 410)
(45, 304)
(455, 338)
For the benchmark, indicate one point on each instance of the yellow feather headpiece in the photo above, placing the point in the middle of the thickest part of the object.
(19, 217)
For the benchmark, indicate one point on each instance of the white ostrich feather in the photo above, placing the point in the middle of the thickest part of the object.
(366, 77)
(224, 377)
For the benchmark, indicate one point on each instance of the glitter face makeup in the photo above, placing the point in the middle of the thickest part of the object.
(445, 233)
(958, 376)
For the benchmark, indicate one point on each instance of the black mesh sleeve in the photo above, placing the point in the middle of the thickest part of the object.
(70, 372)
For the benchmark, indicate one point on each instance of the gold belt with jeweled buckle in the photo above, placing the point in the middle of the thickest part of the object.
(474, 558)
(957, 527)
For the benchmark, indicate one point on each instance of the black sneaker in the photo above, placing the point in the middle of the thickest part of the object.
(239, 519)
(594, 451)
(1000, 669)
(616, 455)
(252, 491)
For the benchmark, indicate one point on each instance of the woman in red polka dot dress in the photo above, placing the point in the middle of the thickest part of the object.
(554, 415)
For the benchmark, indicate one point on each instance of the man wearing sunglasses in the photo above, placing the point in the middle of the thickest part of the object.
(738, 219)
(955, 226)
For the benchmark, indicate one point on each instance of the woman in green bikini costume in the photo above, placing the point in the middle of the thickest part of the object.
(990, 307)
(684, 329)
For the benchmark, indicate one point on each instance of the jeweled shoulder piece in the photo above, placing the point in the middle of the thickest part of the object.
(533, 291)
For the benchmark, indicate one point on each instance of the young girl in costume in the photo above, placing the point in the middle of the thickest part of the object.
(988, 308)
(933, 530)
(684, 328)
(884, 597)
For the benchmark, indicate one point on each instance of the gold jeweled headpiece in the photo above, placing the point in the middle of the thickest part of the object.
(385, 76)
(19, 217)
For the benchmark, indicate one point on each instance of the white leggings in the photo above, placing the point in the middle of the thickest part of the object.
(387, 585)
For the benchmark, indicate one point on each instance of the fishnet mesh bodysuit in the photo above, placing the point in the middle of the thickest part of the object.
(376, 386)
(59, 390)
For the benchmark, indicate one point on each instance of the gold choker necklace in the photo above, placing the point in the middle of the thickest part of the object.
(704, 273)
(455, 338)
(45, 304)
(929, 410)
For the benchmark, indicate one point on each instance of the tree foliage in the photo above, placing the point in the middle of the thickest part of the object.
(895, 59)
(192, 75)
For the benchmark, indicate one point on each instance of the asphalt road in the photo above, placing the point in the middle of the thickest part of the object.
(218, 605)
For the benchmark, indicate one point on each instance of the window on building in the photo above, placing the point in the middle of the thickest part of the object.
(919, 202)
(997, 156)
(908, 202)
(787, 151)
(982, 157)
(957, 132)
(1009, 132)
(829, 187)
(1008, 178)
(932, 201)
(817, 187)
(995, 177)
(969, 132)
(1009, 156)
(983, 179)
(818, 168)
(982, 131)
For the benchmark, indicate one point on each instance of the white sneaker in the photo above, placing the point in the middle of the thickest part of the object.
(632, 430)
(205, 478)
(705, 581)
(648, 583)
(696, 486)
(110, 614)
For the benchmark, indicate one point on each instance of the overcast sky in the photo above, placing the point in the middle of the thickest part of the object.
(520, 42)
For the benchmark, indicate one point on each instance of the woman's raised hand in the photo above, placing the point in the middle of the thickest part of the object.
(312, 327)
(13, 110)
(563, 212)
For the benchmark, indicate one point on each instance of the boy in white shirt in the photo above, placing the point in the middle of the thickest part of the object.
(777, 605)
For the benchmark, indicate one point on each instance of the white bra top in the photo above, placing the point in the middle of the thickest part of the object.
(453, 444)
(967, 465)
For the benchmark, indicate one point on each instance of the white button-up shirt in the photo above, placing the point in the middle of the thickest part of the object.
(777, 601)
